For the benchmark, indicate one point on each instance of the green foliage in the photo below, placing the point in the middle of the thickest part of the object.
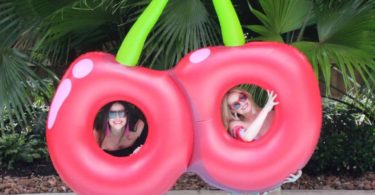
(362, 100)
(280, 17)
(334, 34)
(184, 26)
(21, 148)
(347, 143)
(23, 140)
(48, 35)
(18, 20)
(20, 115)
(259, 94)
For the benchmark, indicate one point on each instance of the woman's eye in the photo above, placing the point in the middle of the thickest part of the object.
(236, 105)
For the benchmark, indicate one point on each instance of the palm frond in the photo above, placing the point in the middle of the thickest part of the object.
(279, 17)
(339, 24)
(348, 60)
(19, 19)
(10, 22)
(74, 30)
(183, 27)
(346, 42)
(14, 98)
(112, 5)
(344, 37)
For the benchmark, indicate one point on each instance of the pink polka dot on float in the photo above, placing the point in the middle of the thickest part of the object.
(61, 94)
(83, 68)
(199, 55)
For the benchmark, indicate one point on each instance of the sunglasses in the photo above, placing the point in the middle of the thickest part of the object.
(114, 114)
(237, 104)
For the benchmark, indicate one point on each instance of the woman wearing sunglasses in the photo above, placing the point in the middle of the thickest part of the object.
(246, 121)
(243, 118)
(117, 129)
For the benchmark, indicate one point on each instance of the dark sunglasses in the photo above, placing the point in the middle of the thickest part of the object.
(113, 114)
(237, 104)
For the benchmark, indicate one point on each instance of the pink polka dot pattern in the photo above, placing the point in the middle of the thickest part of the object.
(199, 55)
(83, 68)
(61, 94)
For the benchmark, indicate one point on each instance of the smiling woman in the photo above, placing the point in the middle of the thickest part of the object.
(120, 129)
(243, 118)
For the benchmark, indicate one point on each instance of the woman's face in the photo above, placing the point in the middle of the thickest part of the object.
(239, 103)
(117, 116)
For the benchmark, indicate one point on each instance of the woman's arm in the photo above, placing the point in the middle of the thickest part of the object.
(139, 126)
(252, 131)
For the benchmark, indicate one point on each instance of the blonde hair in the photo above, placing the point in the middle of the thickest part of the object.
(226, 113)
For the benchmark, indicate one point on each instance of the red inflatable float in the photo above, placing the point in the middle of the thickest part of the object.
(92, 81)
(180, 105)
(207, 74)
(177, 102)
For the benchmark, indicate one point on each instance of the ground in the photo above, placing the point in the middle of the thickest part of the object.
(42, 178)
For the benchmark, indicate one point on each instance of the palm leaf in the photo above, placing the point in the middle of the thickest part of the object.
(279, 17)
(14, 91)
(18, 20)
(74, 30)
(346, 42)
(345, 38)
(184, 26)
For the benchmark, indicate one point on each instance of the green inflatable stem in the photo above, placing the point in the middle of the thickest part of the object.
(131, 48)
(230, 25)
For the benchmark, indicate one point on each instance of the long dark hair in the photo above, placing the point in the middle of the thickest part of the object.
(133, 115)
(101, 120)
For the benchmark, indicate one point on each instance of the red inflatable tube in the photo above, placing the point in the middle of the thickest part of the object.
(178, 103)
(207, 74)
(92, 81)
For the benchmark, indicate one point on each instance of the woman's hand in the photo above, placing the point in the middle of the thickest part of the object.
(271, 101)
(137, 149)
(138, 128)
(293, 177)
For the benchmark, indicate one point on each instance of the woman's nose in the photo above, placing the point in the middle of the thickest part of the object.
(117, 116)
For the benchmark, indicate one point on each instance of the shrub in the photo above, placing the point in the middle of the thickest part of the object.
(346, 145)
(20, 148)
(23, 141)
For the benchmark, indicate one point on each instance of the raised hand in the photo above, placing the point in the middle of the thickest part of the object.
(271, 100)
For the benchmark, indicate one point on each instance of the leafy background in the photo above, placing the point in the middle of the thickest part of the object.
(40, 38)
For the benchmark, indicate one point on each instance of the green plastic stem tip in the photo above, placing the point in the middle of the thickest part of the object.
(131, 48)
(230, 25)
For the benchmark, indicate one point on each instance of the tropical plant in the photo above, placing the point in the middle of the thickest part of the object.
(40, 36)
(18, 23)
(24, 141)
(48, 35)
(183, 27)
(346, 146)
(333, 34)
(19, 148)
(362, 100)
